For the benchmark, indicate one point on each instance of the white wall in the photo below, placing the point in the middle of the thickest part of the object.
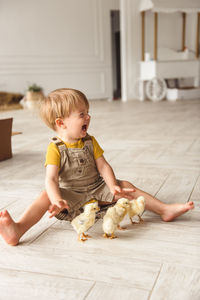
(62, 43)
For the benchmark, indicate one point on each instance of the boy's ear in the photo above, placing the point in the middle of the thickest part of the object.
(59, 122)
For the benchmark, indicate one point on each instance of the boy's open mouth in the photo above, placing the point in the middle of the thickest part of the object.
(84, 127)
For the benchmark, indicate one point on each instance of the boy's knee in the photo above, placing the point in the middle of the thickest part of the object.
(44, 193)
(126, 184)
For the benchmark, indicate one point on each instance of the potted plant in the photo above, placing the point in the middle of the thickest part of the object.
(34, 95)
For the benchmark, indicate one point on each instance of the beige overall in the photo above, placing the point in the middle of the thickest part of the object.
(79, 179)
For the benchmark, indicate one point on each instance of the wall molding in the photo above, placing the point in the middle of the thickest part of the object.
(88, 68)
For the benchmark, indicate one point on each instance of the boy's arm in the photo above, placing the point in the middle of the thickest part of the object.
(52, 188)
(108, 175)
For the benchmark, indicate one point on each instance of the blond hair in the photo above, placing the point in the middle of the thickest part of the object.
(59, 104)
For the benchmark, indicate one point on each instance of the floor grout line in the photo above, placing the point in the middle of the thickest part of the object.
(162, 184)
(89, 291)
(193, 187)
(45, 230)
(150, 294)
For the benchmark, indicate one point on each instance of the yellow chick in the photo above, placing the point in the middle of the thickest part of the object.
(114, 216)
(85, 220)
(136, 208)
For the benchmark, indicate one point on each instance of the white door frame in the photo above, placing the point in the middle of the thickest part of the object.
(123, 40)
(130, 46)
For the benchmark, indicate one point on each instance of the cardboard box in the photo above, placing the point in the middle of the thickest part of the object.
(5, 138)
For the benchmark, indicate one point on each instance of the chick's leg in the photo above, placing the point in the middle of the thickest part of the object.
(81, 238)
(140, 220)
(106, 235)
(113, 236)
(133, 222)
(86, 235)
(121, 228)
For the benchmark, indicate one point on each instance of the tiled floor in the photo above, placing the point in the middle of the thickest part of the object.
(155, 146)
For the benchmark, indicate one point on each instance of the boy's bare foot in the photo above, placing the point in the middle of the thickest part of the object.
(8, 229)
(175, 210)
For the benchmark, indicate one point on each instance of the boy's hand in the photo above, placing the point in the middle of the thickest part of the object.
(123, 192)
(54, 209)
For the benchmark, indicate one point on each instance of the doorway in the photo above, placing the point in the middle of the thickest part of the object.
(116, 55)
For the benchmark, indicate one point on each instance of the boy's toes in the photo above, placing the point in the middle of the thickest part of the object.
(5, 213)
(191, 204)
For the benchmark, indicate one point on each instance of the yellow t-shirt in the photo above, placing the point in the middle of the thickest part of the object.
(53, 154)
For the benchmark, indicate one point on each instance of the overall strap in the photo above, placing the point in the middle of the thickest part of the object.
(61, 146)
(87, 138)
(88, 141)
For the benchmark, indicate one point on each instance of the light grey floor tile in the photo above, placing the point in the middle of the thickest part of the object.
(109, 292)
(94, 266)
(15, 285)
(177, 282)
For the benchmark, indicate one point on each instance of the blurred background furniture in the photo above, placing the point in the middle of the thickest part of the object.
(5, 138)
(167, 63)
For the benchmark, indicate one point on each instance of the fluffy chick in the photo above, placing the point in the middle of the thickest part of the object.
(136, 208)
(114, 216)
(85, 220)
